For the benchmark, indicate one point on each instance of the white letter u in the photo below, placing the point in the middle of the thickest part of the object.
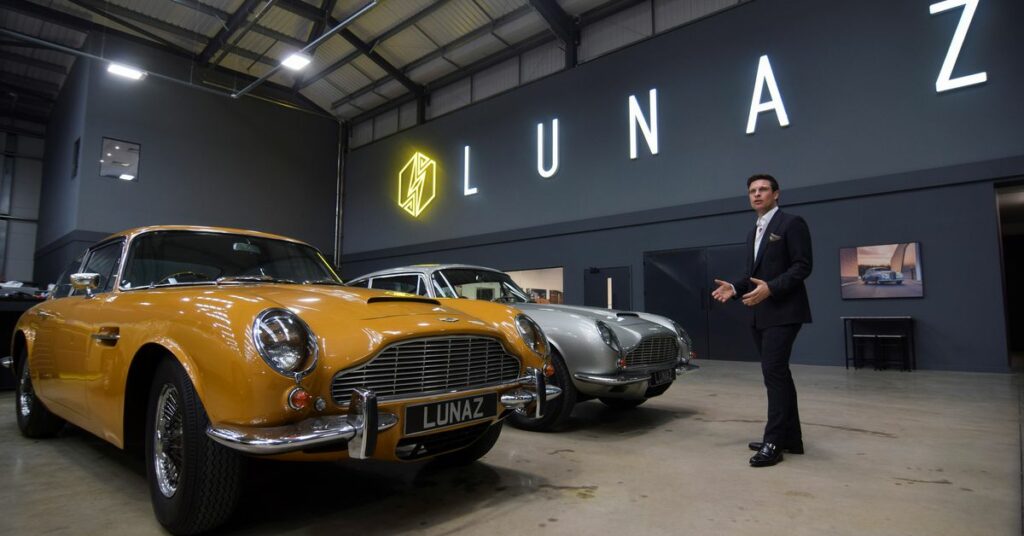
(547, 173)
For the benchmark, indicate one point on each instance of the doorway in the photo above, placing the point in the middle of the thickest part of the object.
(1011, 224)
(608, 288)
(678, 284)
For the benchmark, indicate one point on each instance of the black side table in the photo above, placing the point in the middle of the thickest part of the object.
(880, 341)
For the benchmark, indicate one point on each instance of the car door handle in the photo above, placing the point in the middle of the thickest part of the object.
(107, 335)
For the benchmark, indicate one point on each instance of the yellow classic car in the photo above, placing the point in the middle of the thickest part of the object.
(203, 345)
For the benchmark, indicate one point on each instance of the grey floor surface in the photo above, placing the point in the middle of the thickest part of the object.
(922, 453)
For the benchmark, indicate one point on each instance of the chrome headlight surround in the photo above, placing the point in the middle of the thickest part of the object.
(609, 337)
(285, 342)
(685, 342)
(533, 336)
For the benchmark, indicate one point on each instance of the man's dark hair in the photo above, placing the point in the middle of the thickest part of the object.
(764, 177)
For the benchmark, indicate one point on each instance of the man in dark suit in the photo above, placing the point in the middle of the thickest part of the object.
(778, 261)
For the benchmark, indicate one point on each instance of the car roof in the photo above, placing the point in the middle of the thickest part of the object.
(132, 233)
(422, 269)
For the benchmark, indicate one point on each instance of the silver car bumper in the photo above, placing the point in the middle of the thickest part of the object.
(360, 427)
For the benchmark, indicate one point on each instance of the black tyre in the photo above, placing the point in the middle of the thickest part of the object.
(194, 482)
(473, 452)
(622, 403)
(557, 410)
(34, 420)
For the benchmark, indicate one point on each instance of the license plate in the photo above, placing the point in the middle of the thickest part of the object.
(661, 377)
(437, 415)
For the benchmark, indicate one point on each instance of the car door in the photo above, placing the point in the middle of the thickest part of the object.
(46, 321)
(77, 322)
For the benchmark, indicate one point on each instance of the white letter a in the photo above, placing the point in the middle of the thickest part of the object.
(766, 77)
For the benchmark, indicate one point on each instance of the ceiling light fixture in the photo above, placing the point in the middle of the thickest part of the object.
(296, 61)
(127, 177)
(125, 71)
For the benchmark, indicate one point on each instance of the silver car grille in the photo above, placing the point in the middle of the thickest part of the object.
(419, 367)
(653, 351)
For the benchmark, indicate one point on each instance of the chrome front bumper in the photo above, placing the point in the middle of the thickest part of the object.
(622, 379)
(360, 427)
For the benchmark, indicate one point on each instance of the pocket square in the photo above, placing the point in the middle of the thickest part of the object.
(773, 237)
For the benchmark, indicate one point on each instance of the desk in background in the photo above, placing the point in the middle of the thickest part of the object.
(881, 341)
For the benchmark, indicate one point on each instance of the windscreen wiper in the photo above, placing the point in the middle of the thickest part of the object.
(253, 279)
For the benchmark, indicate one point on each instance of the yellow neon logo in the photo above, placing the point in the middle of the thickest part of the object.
(417, 184)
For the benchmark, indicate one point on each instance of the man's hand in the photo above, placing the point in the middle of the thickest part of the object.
(724, 292)
(760, 293)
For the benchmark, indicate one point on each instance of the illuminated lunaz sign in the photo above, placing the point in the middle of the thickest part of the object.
(417, 184)
(944, 82)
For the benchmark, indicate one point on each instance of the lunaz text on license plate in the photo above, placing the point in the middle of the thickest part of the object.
(425, 417)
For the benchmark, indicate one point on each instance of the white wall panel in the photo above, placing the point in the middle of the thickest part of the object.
(615, 32)
(362, 133)
(407, 115)
(671, 13)
(501, 77)
(449, 98)
(385, 124)
(21, 248)
(542, 61)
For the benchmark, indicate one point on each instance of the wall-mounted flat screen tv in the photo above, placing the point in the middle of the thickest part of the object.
(883, 271)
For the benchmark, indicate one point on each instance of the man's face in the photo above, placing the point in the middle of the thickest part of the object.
(762, 198)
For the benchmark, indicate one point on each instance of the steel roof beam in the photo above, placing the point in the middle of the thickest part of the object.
(441, 52)
(38, 86)
(36, 63)
(230, 27)
(391, 32)
(471, 69)
(563, 26)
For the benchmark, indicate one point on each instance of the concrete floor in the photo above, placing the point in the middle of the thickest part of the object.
(926, 453)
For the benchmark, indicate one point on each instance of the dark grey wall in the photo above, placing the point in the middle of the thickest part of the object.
(857, 78)
(955, 225)
(205, 159)
(58, 202)
(873, 155)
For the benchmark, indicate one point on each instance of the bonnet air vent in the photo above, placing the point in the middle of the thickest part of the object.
(381, 299)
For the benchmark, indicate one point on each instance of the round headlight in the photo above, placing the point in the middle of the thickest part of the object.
(285, 342)
(532, 335)
(609, 337)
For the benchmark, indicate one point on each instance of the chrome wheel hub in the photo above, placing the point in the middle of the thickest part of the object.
(25, 394)
(168, 443)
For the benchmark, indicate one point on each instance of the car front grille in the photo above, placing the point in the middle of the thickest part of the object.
(423, 366)
(653, 351)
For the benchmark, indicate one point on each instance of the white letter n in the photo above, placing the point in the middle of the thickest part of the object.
(766, 77)
(636, 118)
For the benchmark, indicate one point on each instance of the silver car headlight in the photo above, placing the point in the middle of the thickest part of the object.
(533, 335)
(609, 337)
(285, 342)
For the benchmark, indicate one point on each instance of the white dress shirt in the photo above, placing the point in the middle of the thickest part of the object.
(762, 227)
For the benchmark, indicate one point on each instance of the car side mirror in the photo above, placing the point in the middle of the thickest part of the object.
(85, 281)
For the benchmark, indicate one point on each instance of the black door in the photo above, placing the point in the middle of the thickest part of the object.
(674, 286)
(678, 284)
(596, 283)
(729, 323)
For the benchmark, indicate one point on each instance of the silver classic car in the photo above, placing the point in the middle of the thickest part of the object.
(620, 357)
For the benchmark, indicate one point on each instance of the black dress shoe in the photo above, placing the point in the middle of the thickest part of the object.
(767, 456)
(793, 449)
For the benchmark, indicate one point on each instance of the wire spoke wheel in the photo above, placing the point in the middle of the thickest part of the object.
(26, 396)
(168, 441)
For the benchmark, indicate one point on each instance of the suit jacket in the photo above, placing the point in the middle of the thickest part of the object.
(783, 261)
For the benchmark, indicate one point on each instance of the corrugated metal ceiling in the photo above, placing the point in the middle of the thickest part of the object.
(424, 40)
